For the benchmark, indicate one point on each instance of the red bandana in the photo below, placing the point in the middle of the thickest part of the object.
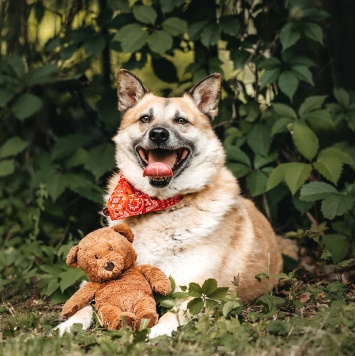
(126, 201)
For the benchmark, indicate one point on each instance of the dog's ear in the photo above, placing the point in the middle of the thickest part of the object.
(130, 90)
(72, 259)
(124, 230)
(206, 94)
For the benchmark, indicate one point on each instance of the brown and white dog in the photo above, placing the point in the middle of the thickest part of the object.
(166, 148)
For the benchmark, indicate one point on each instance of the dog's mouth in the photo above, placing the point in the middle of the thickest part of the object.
(160, 165)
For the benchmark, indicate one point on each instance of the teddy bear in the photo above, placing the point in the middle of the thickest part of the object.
(120, 288)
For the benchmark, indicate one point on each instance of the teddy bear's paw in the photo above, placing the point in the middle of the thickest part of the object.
(162, 287)
(116, 322)
(149, 314)
(69, 310)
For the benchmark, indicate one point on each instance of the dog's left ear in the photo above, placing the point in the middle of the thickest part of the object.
(124, 230)
(206, 94)
(130, 90)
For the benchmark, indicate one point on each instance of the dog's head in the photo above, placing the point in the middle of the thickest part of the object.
(166, 146)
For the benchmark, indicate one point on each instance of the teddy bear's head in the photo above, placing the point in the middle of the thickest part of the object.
(104, 253)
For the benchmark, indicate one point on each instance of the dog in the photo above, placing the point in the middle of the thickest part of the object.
(183, 205)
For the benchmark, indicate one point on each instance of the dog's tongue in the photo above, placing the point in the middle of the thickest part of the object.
(160, 164)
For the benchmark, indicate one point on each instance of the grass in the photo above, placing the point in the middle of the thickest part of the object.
(302, 318)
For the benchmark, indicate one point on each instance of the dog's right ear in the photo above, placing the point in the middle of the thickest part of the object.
(130, 90)
(72, 259)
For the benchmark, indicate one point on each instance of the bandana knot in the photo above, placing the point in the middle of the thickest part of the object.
(127, 201)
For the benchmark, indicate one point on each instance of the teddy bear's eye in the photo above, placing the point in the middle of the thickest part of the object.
(111, 249)
(96, 256)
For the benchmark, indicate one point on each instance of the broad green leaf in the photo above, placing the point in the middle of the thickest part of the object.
(342, 96)
(281, 125)
(16, 65)
(52, 286)
(313, 31)
(338, 245)
(239, 57)
(311, 103)
(305, 140)
(249, 111)
(257, 182)
(284, 110)
(261, 160)
(78, 158)
(301, 61)
(55, 185)
(94, 45)
(219, 293)
(209, 286)
(270, 63)
(145, 14)
(334, 152)
(195, 306)
(210, 35)
(101, 159)
(164, 69)
(26, 105)
(259, 139)
(41, 75)
(195, 290)
(230, 25)
(134, 40)
(288, 83)
(12, 147)
(89, 192)
(229, 306)
(296, 174)
(316, 191)
(302, 73)
(289, 35)
(169, 5)
(234, 153)
(336, 205)
(238, 169)
(195, 30)
(314, 14)
(69, 144)
(175, 26)
(319, 120)
(270, 76)
(160, 42)
(277, 176)
(7, 167)
(70, 277)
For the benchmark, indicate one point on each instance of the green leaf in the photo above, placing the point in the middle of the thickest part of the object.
(26, 105)
(319, 120)
(270, 63)
(55, 185)
(195, 30)
(7, 167)
(239, 57)
(229, 306)
(288, 83)
(132, 38)
(281, 125)
(145, 14)
(52, 286)
(169, 5)
(12, 147)
(41, 75)
(230, 25)
(276, 176)
(165, 69)
(234, 153)
(270, 76)
(175, 26)
(342, 96)
(238, 169)
(94, 45)
(301, 61)
(209, 286)
(312, 103)
(302, 73)
(316, 191)
(219, 293)
(195, 290)
(101, 159)
(160, 42)
(195, 306)
(284, 110)
(305, 140)
(338, 245)
(210, 35)
(313, 31)
(70, 277)
(289, 35)
(69, 144)
(259, 139)
(257, 182)
(336, 205)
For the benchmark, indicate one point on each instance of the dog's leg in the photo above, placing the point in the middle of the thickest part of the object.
(83, 316)
(170, 321)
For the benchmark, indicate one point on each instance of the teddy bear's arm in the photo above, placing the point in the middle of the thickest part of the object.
(80, 298)
(156, 278)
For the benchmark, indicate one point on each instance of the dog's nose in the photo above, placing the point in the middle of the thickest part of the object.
(159, 135)
(109, 266)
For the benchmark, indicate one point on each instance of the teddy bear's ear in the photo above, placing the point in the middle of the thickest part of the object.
(72, 260)
(124, 230)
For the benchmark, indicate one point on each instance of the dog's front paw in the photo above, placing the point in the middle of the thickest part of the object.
(161, 329)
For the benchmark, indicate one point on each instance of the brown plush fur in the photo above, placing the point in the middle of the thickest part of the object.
(119, 287)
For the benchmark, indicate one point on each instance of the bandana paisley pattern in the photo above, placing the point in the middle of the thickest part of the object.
(126, 201)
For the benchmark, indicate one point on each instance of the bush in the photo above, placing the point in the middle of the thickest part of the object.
(288, 138)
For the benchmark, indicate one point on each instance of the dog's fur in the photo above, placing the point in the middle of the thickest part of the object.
(213, 232)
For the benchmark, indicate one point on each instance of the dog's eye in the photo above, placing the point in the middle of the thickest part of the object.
(181, 121)
(110, 249)
(145, 119)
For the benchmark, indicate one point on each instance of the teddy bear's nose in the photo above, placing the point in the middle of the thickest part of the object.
(109, 266)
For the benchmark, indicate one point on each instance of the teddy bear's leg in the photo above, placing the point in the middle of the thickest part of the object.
(145, 308)
(110, 317)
